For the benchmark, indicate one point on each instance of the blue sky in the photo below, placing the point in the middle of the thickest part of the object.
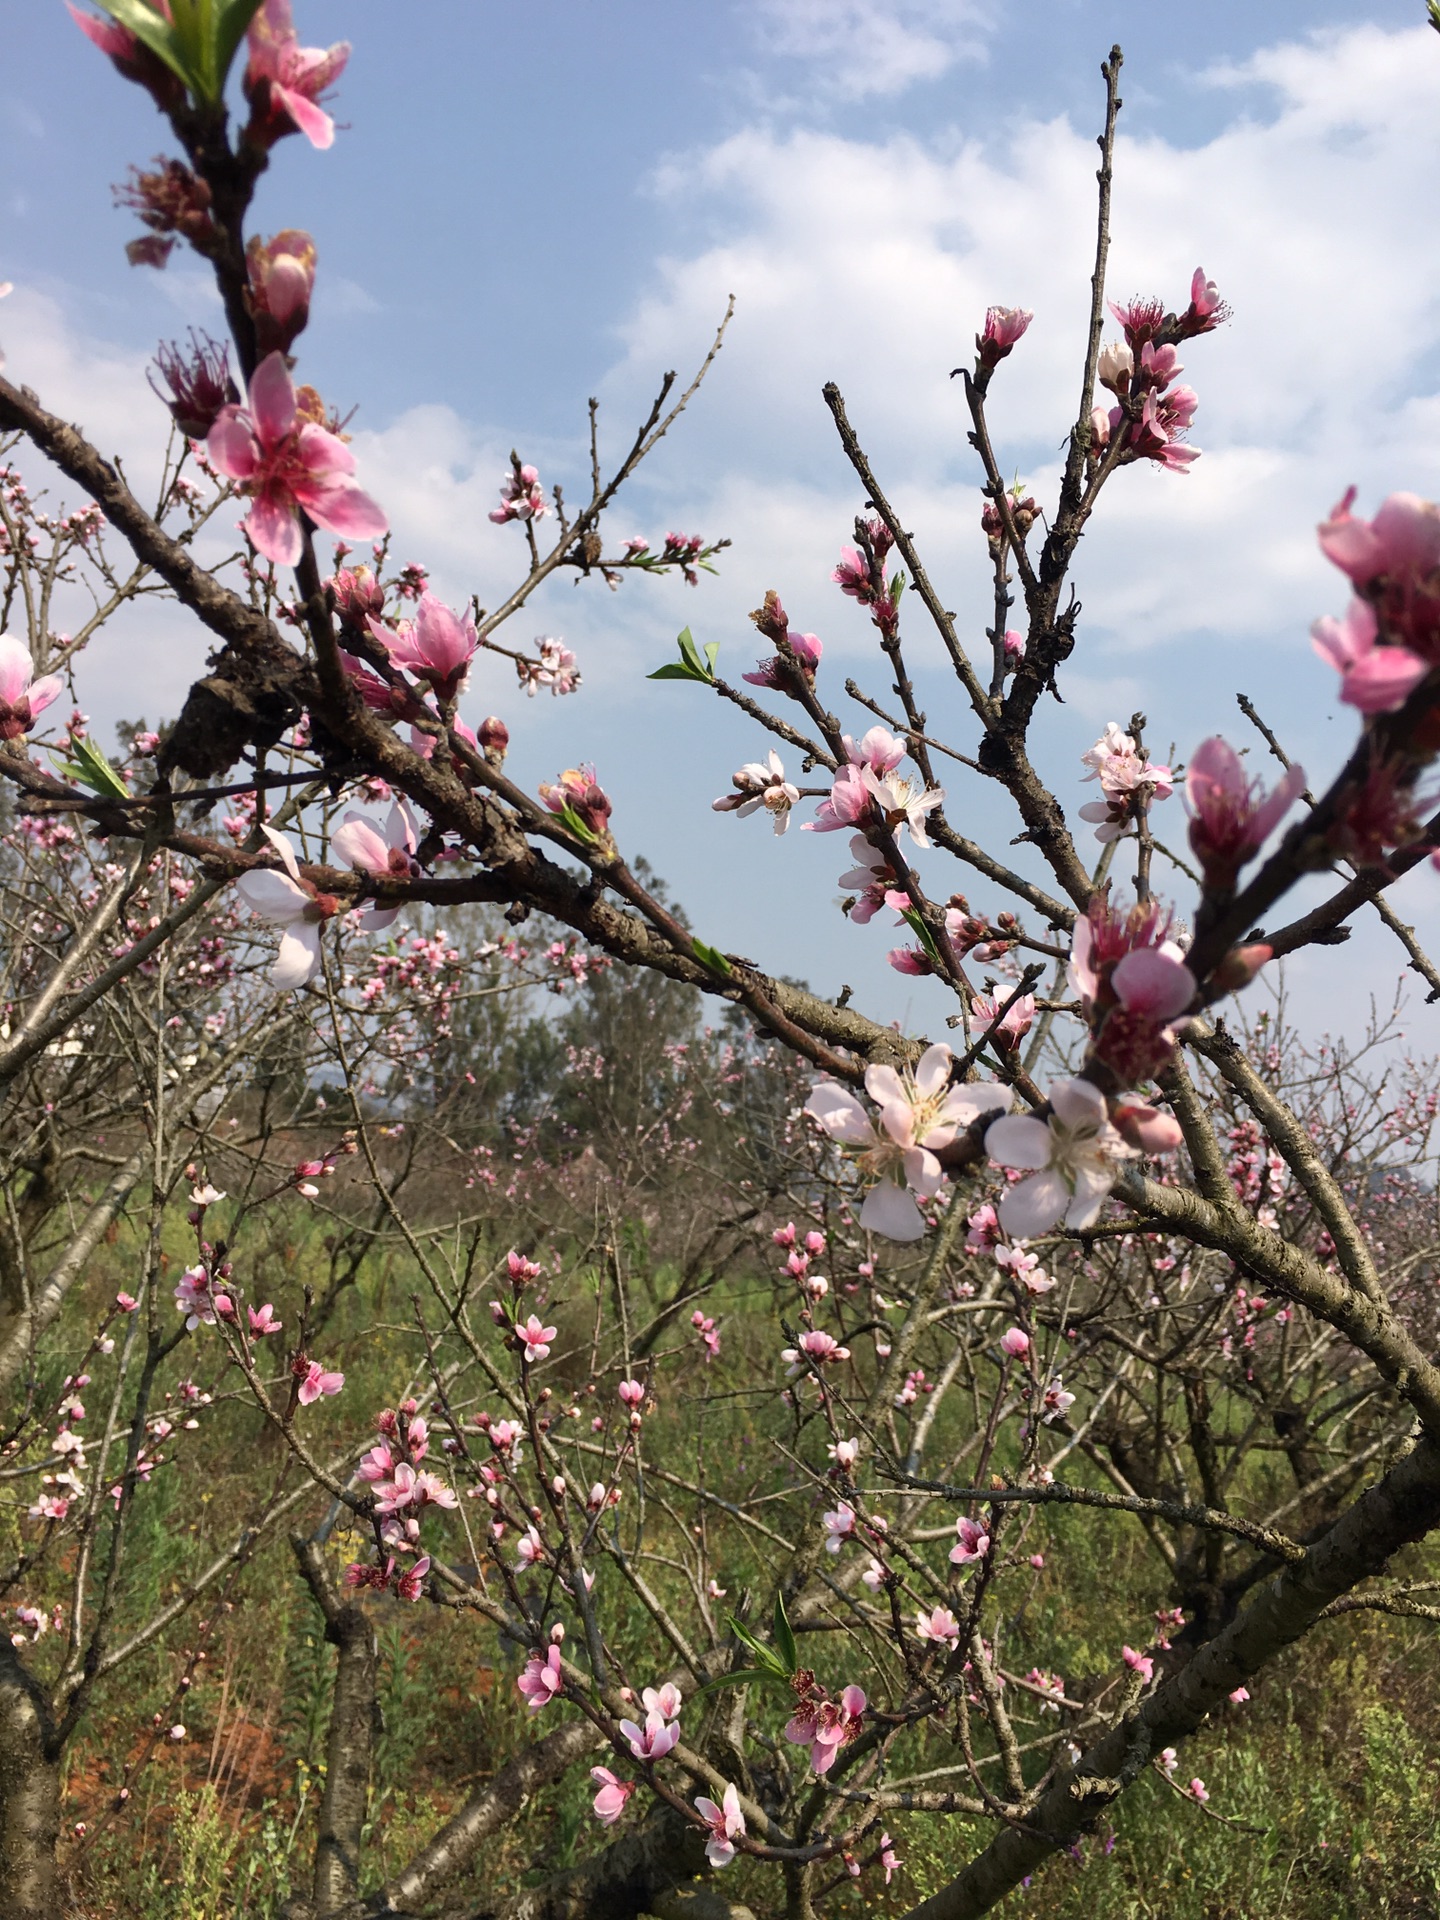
(526, 206)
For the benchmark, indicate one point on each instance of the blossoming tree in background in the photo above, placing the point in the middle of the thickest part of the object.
(1084, 1253)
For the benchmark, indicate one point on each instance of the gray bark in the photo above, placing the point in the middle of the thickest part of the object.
(29, 1795)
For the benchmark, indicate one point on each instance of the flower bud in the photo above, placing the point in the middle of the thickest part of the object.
(282, 278)
(1240, 966)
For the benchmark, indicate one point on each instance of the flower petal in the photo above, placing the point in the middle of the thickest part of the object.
(889, 1210)
(1034, 1206)
(1019, 1140)
(299, 958)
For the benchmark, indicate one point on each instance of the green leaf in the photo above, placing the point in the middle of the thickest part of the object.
(898, 584)
(785, 1637)
(711, 958)
(770, 1661)
(577, 826)
(91, 769)
(927, 939)
(197, 43)
(742, 1677)
(690, 666)
(153, 30)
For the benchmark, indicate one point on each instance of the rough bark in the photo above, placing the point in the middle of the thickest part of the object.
(494, 1806)
(619, 1884)
(1402, 1508)
(349, 1743)
(29, 1795)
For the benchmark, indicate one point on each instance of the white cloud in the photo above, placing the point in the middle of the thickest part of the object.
(857, 49)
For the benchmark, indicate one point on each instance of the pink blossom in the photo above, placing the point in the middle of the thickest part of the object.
(805, 653)
(49, 1506)
(972, 1543)
(1075, 1151)
(847, 804)
(378, 1464)
(1239, 1696)
(1016, 1342)
(1207, 309)
(609, 1802)
(389, 855)
(284, 81)
(940, 1625)
(919, 1113)
(1197, 1791)
(1401, 542)
(289, 468)
(1374, 676)
(263, 1321)
(541, 1679)
(194, 1299)
(1146, 1128)
(826, 1725)
(889, 1859)
(436, 646)
(1057, 1401)
(317, 1381)
(1231, 817)
(654, 1740)
(844, 1453)
(1140, 1663)
(521, 497)
(282, 280)
(535, 1339)
(1019, 1017)
(1004, 326)
(631, 1393)
(726, 1823)
(411, 1584)
(22, 697)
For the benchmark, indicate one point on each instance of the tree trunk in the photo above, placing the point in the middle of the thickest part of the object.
(29, 1795)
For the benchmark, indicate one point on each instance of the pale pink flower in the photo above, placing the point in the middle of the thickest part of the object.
(529, 1549)
(609, 1802)
(1134, 984)
(263, 1321)
(1126, 779)
(194, 1298)
(289, 468)
(919, 1113)
(389, 855)
(839, 1527)
(23, 698)
(817, 1346)
(1015, 1342)
(293, 905)
(1207, 309)
(940, 1625)
(1239, 1696)
(1057, 1401)
(49, 1506)
(1375, 678)
(541, 1679)
(1140, 1663)
(632, 1393)
(316, 1381)
(521, 497)
(1197, 1791)
(536, 1339)
(1231, 816)
(848, 803)
(726, 1823)
(284, 81)
(654, 1740)
(666, 1701)
(972, 1542)
(1018, 1018)
(1075, 1152)
(760, 784)
(437, 645)
(844, 1453)
(889, 1859)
